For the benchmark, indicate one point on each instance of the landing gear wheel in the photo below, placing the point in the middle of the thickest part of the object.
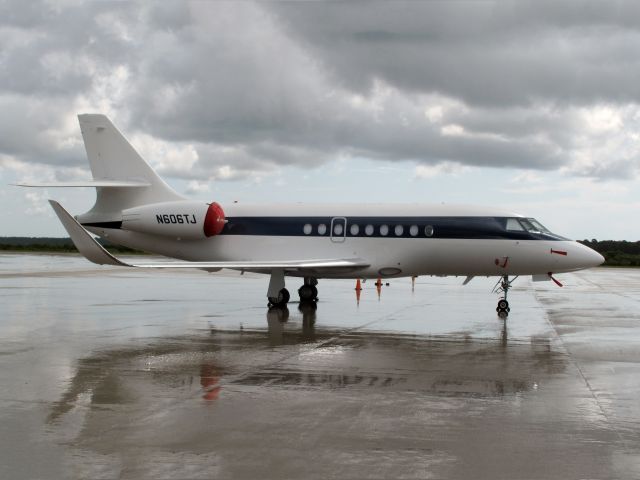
(307, 293)
(503, 307)
(281, 300)
(503, 286)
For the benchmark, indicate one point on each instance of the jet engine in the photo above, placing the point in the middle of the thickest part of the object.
(187, 220)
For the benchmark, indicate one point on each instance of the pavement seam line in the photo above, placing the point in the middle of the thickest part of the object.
(581, 373)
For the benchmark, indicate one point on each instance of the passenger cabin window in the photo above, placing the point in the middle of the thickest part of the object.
(398, 230)
(384, 230)
(368, 230)
(355, 229)
(413, 231)
(322, 229)
(307, 229)
(337, 229)
(428, 230)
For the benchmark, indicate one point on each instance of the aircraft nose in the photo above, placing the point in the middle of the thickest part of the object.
(598, 258)
(588, 257)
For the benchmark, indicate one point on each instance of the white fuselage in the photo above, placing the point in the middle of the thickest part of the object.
(296, 235)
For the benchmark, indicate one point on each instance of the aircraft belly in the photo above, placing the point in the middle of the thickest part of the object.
(490, 257)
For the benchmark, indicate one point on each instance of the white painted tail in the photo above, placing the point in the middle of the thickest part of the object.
(113, 159)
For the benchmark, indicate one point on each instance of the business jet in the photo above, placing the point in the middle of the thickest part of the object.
(134, 207)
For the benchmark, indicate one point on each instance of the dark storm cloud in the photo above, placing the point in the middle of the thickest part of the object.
(482, 52)
(250, 87)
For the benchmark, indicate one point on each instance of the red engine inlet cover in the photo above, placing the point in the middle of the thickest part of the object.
(214, 220)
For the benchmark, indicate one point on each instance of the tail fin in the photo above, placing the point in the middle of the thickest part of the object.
(112, 158)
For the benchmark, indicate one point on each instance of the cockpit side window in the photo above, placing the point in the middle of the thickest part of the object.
(527, 225)
(513, 225)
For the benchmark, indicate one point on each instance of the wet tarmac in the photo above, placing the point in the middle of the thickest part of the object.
(116, 373)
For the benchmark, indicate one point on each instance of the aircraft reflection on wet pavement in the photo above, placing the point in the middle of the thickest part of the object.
(206, 365)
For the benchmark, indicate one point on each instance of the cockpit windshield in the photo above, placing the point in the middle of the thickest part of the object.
(538, 227)
(530, 225)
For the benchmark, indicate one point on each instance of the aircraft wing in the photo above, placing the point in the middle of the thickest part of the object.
(96, 253)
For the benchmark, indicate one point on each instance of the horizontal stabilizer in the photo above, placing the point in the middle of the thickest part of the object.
(96, 253)
(86, 183)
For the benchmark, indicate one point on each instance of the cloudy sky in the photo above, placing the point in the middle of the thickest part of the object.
(529, 106)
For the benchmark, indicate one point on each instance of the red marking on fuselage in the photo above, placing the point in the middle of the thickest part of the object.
(559, 252)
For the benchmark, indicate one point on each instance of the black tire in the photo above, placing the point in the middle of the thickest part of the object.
(503, 304)
(281, 299)
(307, 293)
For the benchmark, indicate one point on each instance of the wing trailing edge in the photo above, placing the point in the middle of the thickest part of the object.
(86, 183)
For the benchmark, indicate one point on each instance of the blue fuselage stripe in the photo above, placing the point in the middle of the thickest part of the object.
(442, 227)
(427, 227)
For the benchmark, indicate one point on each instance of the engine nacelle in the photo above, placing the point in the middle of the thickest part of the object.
(187, 220)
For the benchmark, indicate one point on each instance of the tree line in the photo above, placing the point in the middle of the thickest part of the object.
(54, 245)
(617, 253)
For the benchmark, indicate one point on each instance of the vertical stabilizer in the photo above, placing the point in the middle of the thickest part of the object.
(112, 157)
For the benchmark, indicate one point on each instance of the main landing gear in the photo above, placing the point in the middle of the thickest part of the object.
(503, 286)
(308, 292)
(279, 296)
(281, 299)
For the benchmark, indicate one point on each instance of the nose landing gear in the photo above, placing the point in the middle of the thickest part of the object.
(503, 306)
(503, 286)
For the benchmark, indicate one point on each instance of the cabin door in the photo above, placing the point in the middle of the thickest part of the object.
(338, 229)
